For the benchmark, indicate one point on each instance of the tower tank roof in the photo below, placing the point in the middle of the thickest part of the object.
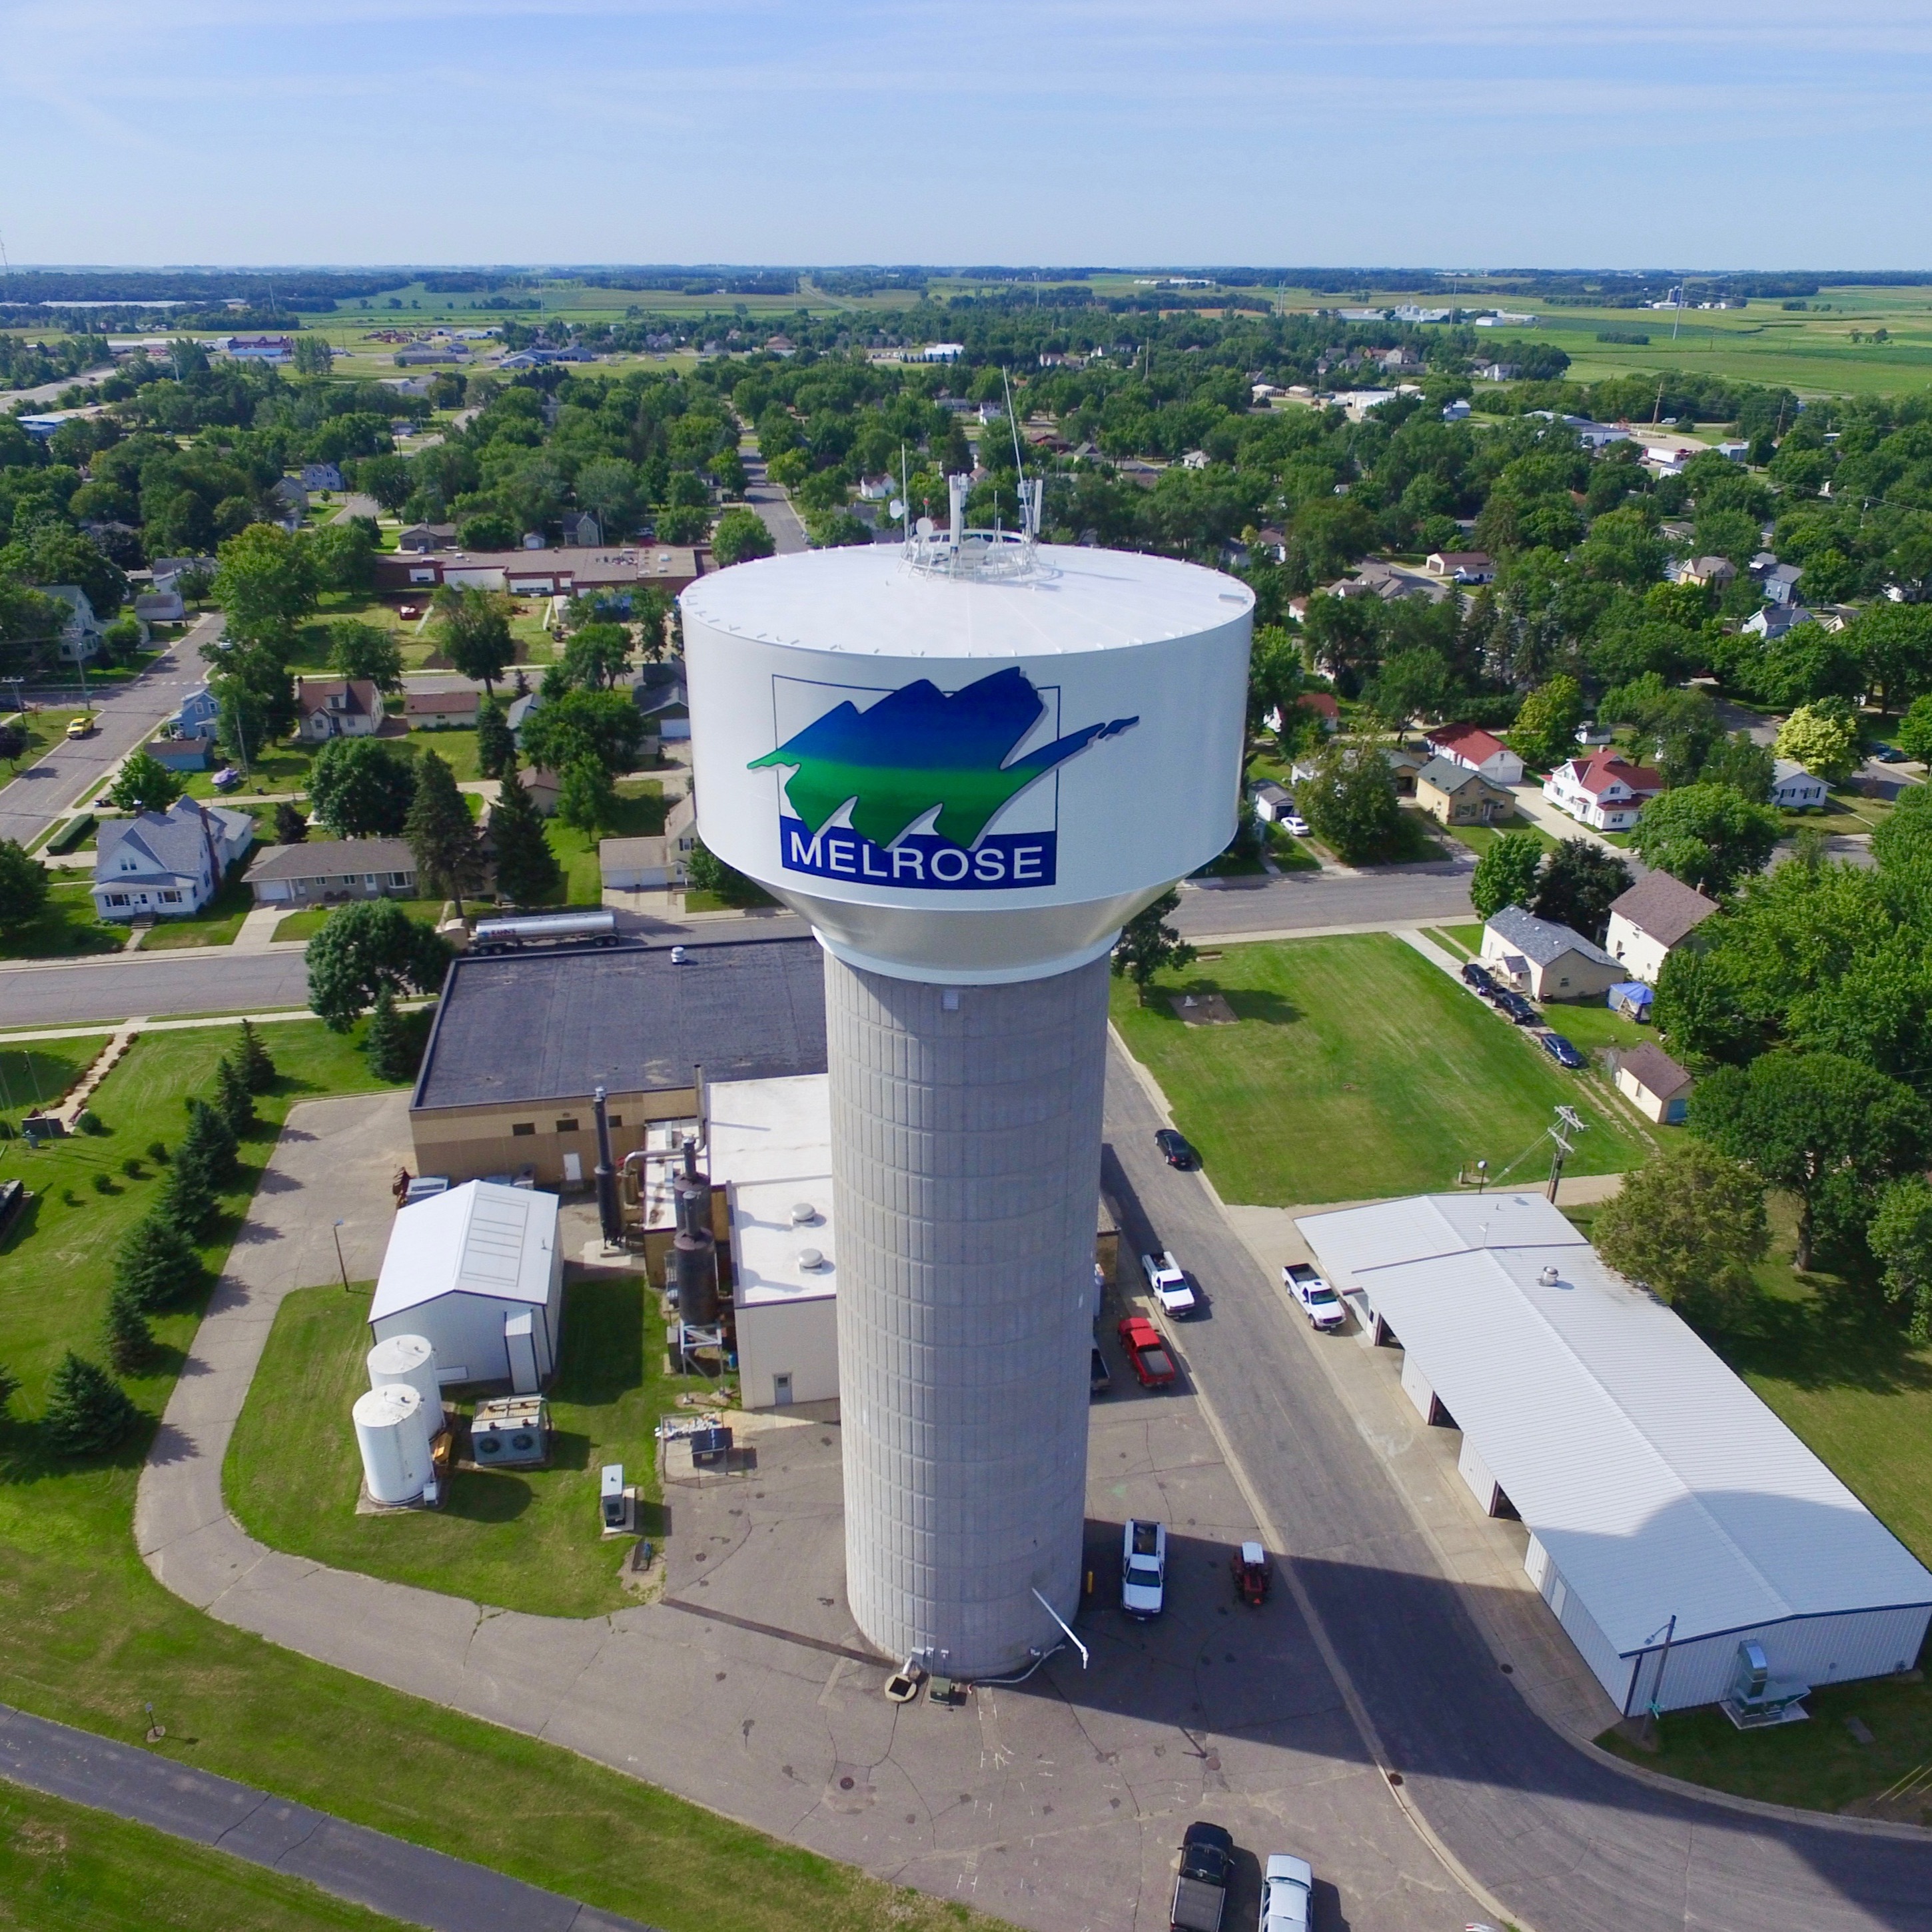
(866, 601)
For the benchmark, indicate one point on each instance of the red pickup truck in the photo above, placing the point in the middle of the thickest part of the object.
(1152, 1363)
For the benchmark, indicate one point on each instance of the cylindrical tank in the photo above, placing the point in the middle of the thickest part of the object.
(967, 763)
(693, 1269)
(393, 1434)
(410, 1359)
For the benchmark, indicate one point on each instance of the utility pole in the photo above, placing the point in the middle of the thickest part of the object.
(1568, 1120)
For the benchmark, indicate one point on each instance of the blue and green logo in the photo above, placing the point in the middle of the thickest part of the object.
(921, 753)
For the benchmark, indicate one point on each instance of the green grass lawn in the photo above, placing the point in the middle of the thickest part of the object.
(1357, 1070)
(45, 728)
(64, 926)
(456, 748)
(279, 768)
(307, 924)
(33, 1078)
(1480, 838)
(639, 813)
(1289, 853)
(215, 925)
(525, 1539)
(89, 1637)
(63, 1865)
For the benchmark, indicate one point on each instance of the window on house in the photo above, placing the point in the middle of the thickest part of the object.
(171, 898)
(117, 899)
(616, 1120)
(524, 1127)
(566, 1127)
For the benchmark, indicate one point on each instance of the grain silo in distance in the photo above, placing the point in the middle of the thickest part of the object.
(966, 761)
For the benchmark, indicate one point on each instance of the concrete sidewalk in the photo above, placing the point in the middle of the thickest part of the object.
(388, 1875)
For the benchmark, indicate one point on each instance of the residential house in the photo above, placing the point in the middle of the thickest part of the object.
(167, 572)
(166, 865)
(783, 345)
(336, 707)
(291, 500)
(1470, 745)
(581, 530)
(321, 476)
(199, 712)
(1462, 566)
(181, 754)
(1459, 795)
(161, 606)
(1272, 802)
(80, 629)
(1713, 573)
(1655, 1083)
(1777, 583)
(543, 785)
(1648, 923)
(321, 872)
(420, 538)
(1550, 961)
(1455, 412)
(637, 865)
(1498, 372)
(1775, 619)
(1376, 576)
(1323, 705)
(1603, 791)
(437, 710)
(681, 834)
(1794, 788)
(1405, 766)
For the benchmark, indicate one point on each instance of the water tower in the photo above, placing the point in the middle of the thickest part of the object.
(966, 761)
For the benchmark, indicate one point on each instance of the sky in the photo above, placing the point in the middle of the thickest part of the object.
(1614, 133)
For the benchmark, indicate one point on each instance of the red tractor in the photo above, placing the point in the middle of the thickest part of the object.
(1249, 1566)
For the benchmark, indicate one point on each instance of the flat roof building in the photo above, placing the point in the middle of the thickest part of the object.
(521, 1040)
(1667, 1506)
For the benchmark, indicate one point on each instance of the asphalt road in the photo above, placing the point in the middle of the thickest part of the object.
(774, 506)
(1399, 896)
(1565, 1840)
(127, 715)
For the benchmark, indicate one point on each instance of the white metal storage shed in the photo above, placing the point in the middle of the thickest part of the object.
(1654, 1483)
(477, 1272)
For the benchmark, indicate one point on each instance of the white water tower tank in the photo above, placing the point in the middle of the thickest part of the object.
(392, 1432)
(410, 1359)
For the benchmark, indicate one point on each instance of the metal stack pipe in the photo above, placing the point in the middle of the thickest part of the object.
(610, 1218)
(693, 1253)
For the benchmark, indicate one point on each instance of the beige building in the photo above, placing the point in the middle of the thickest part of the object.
(1655, 1083)
(521, 1040)
(1458, 795)
(1648, 923)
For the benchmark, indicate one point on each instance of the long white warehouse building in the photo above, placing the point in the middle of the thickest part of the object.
(1654, 1484)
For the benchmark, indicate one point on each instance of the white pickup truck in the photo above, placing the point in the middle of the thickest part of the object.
(1169, 1280)
(1319, 1302)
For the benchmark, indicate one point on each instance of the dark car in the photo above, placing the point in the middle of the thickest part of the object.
(1478, 977)
(1561, 1051)
(1175, 1149)
(1099, 1380)
(1888, 754)
(1517, 1008)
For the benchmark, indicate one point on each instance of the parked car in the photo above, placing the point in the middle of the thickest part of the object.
(1293, 821)
(1099, 1379)
(1564, 1055)
(1152, 1365)
(1516, 1007)
(1478, 978)
(1175, 1149)
(1889, 754)
(1200, 1892)
(82, 727)
(1143, 1568)
(1288, 1894)
(1319, 1302)
(1172, 1288)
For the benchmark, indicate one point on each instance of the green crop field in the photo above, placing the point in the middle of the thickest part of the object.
(1357, 1070)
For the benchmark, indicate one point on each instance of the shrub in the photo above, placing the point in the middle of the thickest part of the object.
(104, 1183)
(89, 1122)
(157, 1152)
(88, 1412)
(132, 1168)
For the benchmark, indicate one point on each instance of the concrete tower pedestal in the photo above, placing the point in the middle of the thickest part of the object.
(966, 1167)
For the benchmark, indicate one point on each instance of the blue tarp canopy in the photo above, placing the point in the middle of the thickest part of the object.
(1630, 996)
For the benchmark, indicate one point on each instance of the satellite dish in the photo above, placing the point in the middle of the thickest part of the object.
(896, 508)
(924, 526)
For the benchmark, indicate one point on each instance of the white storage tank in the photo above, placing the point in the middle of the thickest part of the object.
(392, 1432)
(410, 1359)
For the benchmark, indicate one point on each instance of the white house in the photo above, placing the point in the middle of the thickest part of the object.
(1272, 803)
(80, 629)
(336, 707)
(1795, 788)
(1469, 745)
(1603, 790)
(1552, 961)
(478, 1273)
(166, 865)
(1648, 923)
(1775, 619)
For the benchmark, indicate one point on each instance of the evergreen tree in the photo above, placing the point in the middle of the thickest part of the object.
(496, 745)
(527, 872)
(212, 1140)
(131, 1342)
(156, 1263)
(10, 1386)
(441, 832)
(88, 1411)
(291, 824)
(188, 1201)
(387, 1041)
(257, 1069)
(233, 1100)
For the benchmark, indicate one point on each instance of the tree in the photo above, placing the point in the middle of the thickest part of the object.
(188, 1201)
(1350, 803)
(130, 1341)
(1688, 1225)
(473, 632)
(608, 485)
(387, 1041)
(741, 535)
(88, 1412)
(1505, 875)
(1577, 887)
(1915, 730)
(265, 581)
(10, 1386)
(156, 1264)
(585, 795)
(1410, 685)
(210, 1139)
(1148, 945)
(1901, 1238)
(441, 834)
(233, 1100)
(1807, 662)
(258, 1069)
(1747, 766)
(1820, 1126)
(596, 657)
(706, 872)
(606, 725)
(144, 783)
(1706, 835)
(23, 886)
(51, 552)
(364, 947)
(496, 743)
(360, 789)
(313, 355)
(13, 743)
(291, 824)
(1544, 733)
(1824, 742)
(1274, 676)
(344, 555)
(527, 872)
(1893, 642)
(356, 650)
(1342, 636)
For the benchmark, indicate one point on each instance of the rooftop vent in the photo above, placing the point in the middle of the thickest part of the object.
(803, 1214)
(677, 956)
(1548, 1278)
(811, 1259)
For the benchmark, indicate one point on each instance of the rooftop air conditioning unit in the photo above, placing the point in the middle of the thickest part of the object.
(510, 1432)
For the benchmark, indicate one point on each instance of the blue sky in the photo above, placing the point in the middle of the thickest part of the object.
(1611, 133)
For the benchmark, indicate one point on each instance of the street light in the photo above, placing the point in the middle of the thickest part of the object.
(337, 1231)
